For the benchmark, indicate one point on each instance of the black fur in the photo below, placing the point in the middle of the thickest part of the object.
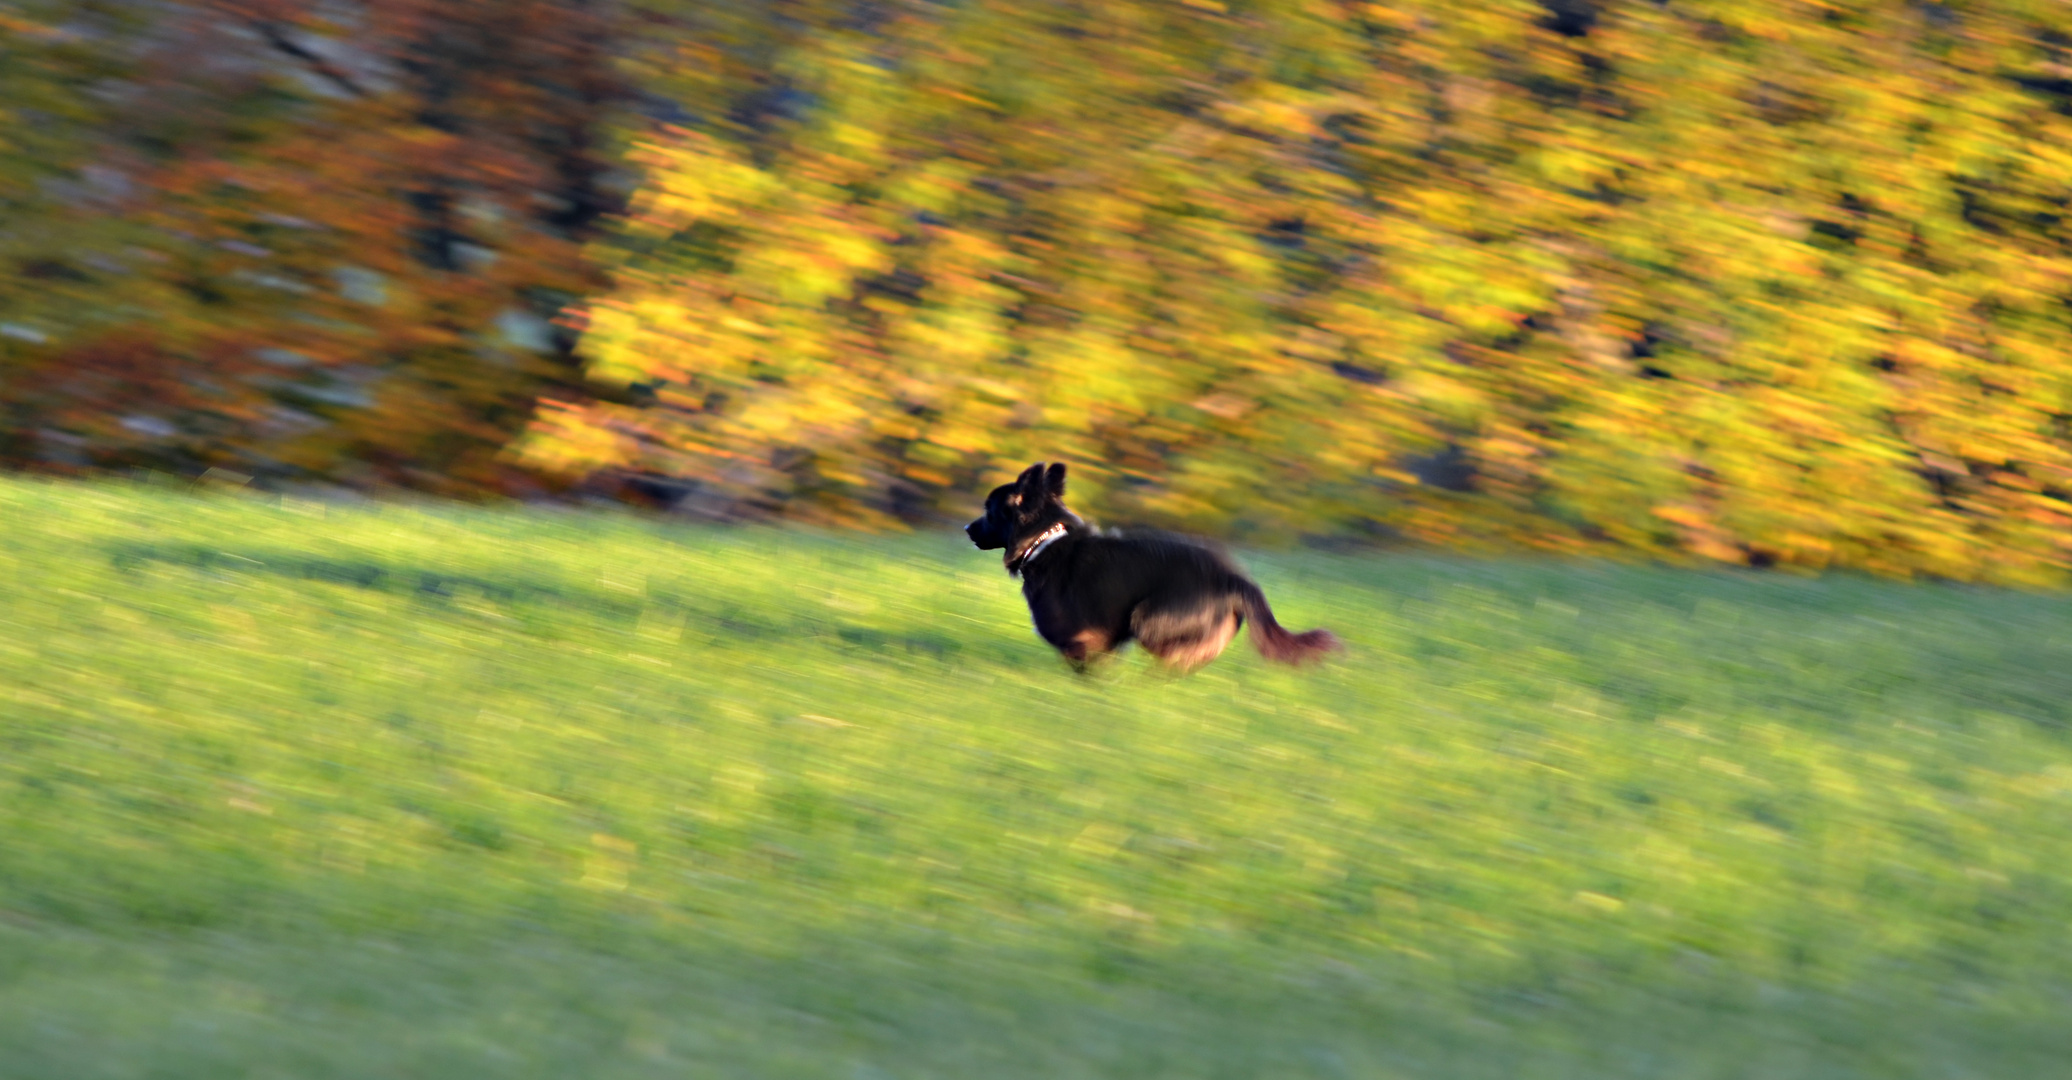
(1091, 591)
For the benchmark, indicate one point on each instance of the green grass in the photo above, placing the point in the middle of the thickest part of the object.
(399, 792)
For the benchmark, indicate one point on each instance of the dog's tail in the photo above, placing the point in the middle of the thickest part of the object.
(1272, 640)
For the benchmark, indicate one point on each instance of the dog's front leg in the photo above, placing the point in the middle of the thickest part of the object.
(1082, 648)
(1079, 646)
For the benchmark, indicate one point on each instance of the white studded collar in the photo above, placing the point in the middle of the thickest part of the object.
(1043, 540)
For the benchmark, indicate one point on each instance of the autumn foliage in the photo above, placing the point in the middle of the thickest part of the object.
(1764, 282)
(338, 235)
(1769, 283)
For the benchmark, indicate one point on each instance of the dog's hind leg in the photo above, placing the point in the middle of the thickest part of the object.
(1185, 636)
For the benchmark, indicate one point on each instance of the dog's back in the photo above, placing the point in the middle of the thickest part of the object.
(1134, 559)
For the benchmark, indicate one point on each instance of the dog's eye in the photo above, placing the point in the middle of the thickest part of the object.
(1014, 500)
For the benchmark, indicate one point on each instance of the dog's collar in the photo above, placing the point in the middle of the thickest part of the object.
(1043, 540)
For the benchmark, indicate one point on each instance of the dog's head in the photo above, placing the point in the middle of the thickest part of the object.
(1017, 513)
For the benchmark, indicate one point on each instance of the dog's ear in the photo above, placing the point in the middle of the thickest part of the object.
(1030, 485)
(1054, 480)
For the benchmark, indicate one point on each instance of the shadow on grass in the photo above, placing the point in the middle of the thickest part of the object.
(721, 619)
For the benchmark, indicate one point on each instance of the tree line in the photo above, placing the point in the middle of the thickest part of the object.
(1774, 283)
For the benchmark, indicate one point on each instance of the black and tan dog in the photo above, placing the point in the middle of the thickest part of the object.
(1090, 591)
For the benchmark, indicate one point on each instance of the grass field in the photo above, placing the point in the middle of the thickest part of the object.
(296, 791)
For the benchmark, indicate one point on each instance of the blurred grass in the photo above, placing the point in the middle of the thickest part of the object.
(295, 790)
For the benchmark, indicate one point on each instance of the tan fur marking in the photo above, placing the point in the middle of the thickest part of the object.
(1190, 653)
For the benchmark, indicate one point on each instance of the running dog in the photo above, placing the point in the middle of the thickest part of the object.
(1091, 591)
